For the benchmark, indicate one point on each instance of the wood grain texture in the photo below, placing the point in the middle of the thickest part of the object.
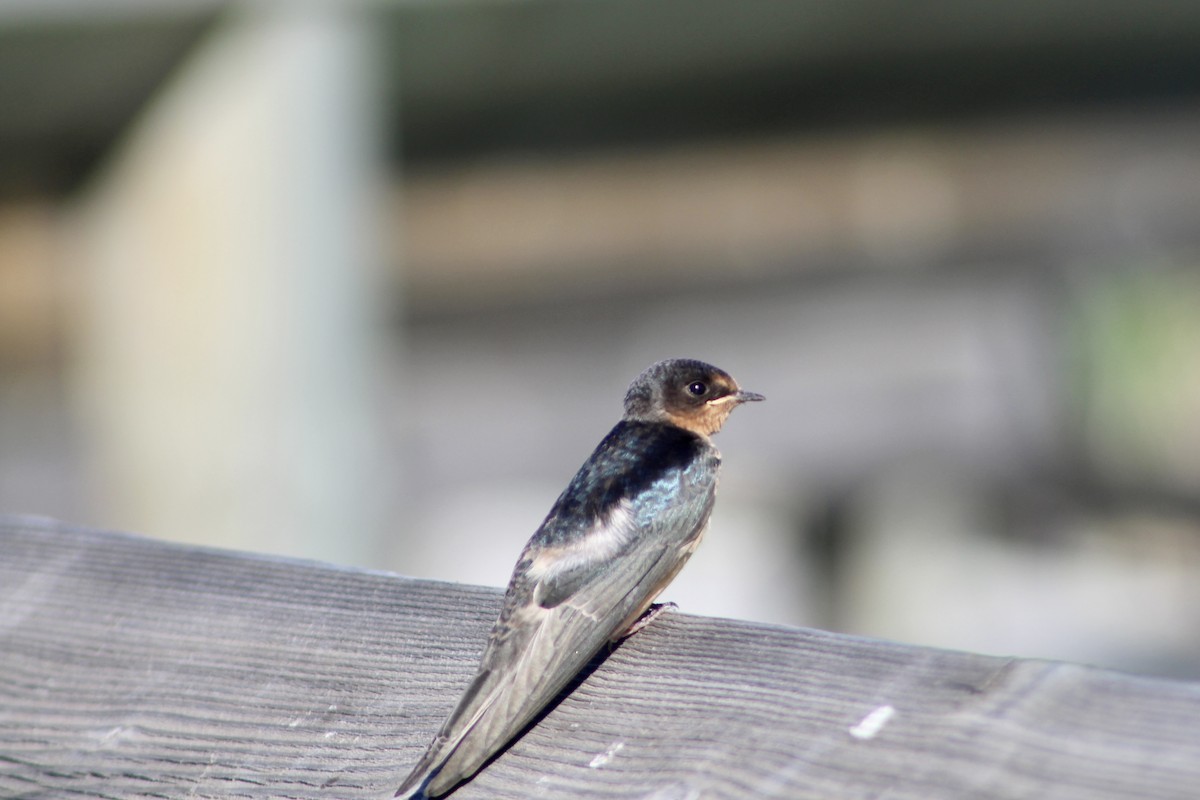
(132, 668)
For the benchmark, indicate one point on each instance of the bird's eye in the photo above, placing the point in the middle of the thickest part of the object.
(697, 388)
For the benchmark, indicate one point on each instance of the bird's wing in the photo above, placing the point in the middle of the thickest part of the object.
(559, 611)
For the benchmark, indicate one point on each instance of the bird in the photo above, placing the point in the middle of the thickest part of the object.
(617, 535)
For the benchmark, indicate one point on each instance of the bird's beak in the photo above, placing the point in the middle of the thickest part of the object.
(736, 399)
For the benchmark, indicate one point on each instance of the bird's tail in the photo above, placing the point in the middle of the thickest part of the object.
(419, 794)
(420, 777)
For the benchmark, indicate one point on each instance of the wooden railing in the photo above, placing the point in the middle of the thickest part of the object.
(133, 668)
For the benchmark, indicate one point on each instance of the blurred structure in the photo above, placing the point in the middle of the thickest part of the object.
(955, 246)
(227, 259)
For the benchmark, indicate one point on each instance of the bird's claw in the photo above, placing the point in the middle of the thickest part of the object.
(648, 616)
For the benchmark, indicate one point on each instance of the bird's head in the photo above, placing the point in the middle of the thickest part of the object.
(684, 392)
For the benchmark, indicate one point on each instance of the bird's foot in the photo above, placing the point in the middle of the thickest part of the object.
(648, 616)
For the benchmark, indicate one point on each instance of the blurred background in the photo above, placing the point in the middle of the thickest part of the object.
(365, 282)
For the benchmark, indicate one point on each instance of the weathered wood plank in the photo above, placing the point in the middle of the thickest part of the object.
(132, 668)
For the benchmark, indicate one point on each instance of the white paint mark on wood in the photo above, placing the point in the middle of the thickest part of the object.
(603, 758)
(873, 723)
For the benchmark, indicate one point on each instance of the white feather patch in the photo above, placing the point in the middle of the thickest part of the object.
(601, 542)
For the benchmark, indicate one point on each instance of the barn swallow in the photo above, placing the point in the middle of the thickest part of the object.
(614, 539)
